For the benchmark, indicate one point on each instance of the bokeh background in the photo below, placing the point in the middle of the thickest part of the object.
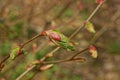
(20, 20)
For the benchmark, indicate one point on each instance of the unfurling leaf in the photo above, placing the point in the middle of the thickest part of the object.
(99, 1)
(59, 39)
(45, 67)
(93, 51)
(80, 59)
(89, 26)
(14, 52)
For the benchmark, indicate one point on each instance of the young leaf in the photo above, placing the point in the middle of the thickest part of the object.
(59, 39)
(93, 51)
(14, 52)
(89, 26)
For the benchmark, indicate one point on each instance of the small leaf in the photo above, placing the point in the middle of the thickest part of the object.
(93, 51)
(45, 67)
(89, 26)
(14, 52)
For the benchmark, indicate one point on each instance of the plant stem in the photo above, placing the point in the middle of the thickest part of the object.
(30, 40)
(88, 19)
(6, 58)
(73, 35)
(67, 60)
(79, 53)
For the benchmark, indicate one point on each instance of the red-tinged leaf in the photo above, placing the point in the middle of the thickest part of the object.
(45, 67)
(99, 1)
(89, 26)
(59, 39)
(93, 51)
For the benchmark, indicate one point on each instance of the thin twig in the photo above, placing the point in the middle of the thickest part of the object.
(79, 53)
(30, 40)
(6, 58)
(67, 60)
(25, 72)
(88, 19)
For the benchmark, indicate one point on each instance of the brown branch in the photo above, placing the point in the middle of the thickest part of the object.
(73, 35)
(79, 53)
(88, 19)
(30, 40)
(25, 72)
(67, 60)
(7, 57)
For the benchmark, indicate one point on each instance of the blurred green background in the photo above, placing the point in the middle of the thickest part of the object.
(20, 20)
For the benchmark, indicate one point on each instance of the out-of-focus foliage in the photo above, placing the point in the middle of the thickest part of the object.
(114, 47)
(5, 48)
(20, 20)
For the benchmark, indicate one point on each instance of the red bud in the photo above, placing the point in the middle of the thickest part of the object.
(55, 36)
(93, 51)
(99, 1)
(79, 6)
(45, 67)
(43, 33)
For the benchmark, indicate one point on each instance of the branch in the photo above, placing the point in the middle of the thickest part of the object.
(88, 19)
(67, 60)
(30, 40)
(73, 35)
